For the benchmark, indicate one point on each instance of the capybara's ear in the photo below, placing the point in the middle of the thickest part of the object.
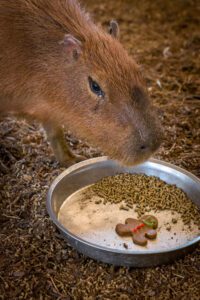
(72, 47)
(114, 29)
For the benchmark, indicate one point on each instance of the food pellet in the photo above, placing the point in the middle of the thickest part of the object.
(168, 227)
(146, 193)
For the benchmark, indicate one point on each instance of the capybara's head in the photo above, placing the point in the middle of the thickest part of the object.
(106, 98)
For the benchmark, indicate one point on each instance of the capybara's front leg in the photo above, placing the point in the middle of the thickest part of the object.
(63, 154)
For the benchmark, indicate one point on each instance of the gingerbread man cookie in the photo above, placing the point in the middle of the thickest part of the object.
(140, 229)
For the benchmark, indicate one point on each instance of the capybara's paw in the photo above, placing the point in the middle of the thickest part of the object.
(69, 161)
(79, 158)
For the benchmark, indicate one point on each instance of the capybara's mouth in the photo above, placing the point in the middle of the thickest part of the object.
(135, 158)
(133, 161)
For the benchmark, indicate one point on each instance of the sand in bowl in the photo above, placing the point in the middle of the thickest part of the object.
(93, 212)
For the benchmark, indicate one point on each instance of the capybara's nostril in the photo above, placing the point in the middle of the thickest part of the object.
(143, 147)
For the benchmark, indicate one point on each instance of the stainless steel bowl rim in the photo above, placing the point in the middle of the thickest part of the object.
(99, 159)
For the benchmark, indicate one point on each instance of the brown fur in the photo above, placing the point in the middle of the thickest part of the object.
(40, 79)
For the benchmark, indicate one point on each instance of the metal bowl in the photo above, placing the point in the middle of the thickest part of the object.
(92, 170)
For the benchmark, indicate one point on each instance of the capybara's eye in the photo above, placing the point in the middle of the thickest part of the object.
(95, 88)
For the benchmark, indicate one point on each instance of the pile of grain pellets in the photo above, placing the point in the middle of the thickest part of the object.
(145, 193)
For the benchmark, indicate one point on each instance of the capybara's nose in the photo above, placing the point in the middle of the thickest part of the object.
(150, 146)
(143, 147)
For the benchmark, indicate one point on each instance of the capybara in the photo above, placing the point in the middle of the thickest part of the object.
(59, 68)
